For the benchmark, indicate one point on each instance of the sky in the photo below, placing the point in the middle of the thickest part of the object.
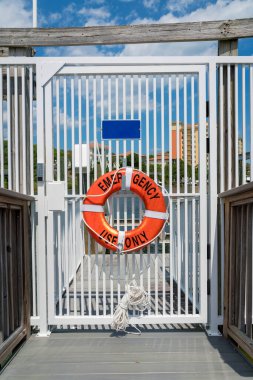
(69, 13)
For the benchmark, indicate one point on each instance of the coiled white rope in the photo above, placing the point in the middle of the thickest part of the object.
(136, 298)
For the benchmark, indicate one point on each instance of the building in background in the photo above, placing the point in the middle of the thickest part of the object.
(240, 146)
(191, 132)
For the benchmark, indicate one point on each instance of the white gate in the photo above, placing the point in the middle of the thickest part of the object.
(85, 282)
(72, 281)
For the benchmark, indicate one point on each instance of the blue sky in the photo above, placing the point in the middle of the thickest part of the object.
(69, 13)
(63, 13)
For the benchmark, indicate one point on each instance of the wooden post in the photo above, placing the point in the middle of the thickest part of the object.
(16, 52)
(228, 48)
(226, 272)
(19, 52)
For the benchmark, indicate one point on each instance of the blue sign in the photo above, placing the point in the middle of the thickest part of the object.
(121, 129)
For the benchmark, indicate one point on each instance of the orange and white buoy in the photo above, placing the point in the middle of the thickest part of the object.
(139, 183)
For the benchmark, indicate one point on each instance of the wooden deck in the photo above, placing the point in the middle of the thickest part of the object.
(176, 354)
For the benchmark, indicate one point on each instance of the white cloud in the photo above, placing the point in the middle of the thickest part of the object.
(74, 15)
(222, 9)
(72, 51)
(180, 5)
(101, 13)
(15, 13)
(171, 49)
(151, 4)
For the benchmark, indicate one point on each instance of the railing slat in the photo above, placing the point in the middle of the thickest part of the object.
(241, 321)
(249, 272)
(237, 258)
(232, 264)
(238, 266)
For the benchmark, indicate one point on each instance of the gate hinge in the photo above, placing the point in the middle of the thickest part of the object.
(208, 250)
(208, 287)
(207, 145)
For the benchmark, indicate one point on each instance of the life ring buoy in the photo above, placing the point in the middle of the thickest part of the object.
(154, 218)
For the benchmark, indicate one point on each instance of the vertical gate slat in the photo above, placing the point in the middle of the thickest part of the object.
(59, 259)
(81, 190)
(163, 186)
(117, 201)
(155, 178)
(104, 163)
(178, 139)
(87, 116)
(9, 132)
(251, 122)
(16, 129)
(95, 178)
(221, 128)
(193, 132)
(147, 169)
(58, 160)
(243, 126)
(178, 257)
(236, 128)
(109, 89)
(31, 132)
(186, 199)
(73, 229)
(24, 132)
(132, 165)
(66, 226)
(140, 168)
(229, 163)
(177, 134)
(171, 191)
(72, 94)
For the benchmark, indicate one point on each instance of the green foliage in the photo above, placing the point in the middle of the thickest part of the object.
(136, 162)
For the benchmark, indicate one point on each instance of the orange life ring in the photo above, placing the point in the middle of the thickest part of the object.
(154, 218)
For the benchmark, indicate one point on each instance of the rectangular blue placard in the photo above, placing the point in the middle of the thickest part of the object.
(121, 129)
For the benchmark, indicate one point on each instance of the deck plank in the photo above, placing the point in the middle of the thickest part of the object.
(181, 355)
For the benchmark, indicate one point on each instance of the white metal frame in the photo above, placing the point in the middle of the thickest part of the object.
(212, 63)
(46, 71)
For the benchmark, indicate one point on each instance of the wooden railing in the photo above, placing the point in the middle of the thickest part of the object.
(238, 213)
(14, 271)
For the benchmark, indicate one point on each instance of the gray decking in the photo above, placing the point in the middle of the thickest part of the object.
(158, 355)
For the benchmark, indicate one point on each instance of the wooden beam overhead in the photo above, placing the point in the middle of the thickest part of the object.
(129, 34)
